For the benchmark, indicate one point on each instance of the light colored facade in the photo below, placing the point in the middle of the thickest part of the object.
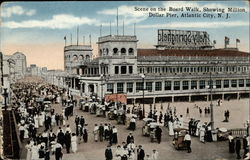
(20, 64)
(170, 74)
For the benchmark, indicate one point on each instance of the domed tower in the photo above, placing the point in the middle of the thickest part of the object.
(117, 55)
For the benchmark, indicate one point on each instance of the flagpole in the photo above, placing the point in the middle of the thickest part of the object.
(71, 38)
(110, 27)
(117, 22)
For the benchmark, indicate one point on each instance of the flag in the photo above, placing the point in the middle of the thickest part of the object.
(64, 37)
(227, 40)
(214, 41)
(237, 40)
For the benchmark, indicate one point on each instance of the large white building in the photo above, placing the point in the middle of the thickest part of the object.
(175, 70)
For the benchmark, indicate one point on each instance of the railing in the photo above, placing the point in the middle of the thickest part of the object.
(238, 131)
(11, 139)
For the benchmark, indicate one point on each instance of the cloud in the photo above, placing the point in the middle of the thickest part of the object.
(60, 21)
(16, 10)
(127, 13)
(197, 25)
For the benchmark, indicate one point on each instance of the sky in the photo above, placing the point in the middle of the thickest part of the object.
(37, 29)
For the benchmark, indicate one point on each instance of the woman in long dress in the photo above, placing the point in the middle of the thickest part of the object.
(36, 121)
(28, 146)
(74, 143)
(26, 132)
(34, 152)
(41, 119)
(96, 129)
(170, 128)
(202, 133)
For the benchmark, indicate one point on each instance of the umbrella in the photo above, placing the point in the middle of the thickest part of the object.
(148, 119)
(223, 129)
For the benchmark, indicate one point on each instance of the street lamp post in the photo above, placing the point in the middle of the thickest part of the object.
(5, 94)
(211, 102)
(143, 79)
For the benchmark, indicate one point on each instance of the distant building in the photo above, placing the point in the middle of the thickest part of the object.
(20, 64)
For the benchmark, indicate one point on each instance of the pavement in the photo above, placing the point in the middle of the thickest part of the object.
(239, 111)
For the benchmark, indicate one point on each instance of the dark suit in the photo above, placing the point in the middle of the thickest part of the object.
(140, 154)
(238, 147)
(130, 138)
(108, 154)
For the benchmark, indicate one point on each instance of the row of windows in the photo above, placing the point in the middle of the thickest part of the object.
(123, 51)
(176, 85)
(123, 69)
(80, 57)
(182, 69)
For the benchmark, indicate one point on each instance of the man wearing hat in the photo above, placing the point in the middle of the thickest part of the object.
(187, 140)
(108, 153)
(130, 138)
(140, 153)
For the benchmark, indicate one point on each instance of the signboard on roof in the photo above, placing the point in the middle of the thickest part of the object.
(183, 39)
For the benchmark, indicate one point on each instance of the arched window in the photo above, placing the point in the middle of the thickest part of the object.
(100, 52)
(115, 51)
(123, 51)
(81, 57)
(131, 51)
(103, 52)
(87, 57)
(75, 58)
(107, 51)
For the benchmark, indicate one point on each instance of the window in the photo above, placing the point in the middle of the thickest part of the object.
(131, 51)
(139, 86)
(107, 51)
(75, 58)
(234, 83)
(116, 69)
(168, 85)
(130, 69)
(87, 57)
(185, 85)
(119, 87)
(123, 51)
(123, 69)
(248, 83)
(218, 83)
(110, 87)
(176, 85)
(158, 86)
(81, 57)
(226, 83)
(202, 84)
(129, 87)
(210, 83)
(149, 86)
(115, 51)
(193, 84)
(241, 82)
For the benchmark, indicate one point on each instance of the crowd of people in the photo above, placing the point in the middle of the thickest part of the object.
(48, 133)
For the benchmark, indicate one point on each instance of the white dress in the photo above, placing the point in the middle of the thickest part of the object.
(96, 133)
(26, 132)
(198, 128)
(41, 120)
(74, 144)
(53, 120)
(36, 121)
(170, 128)
(28, 147)
(34, 152)
(202, 134)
